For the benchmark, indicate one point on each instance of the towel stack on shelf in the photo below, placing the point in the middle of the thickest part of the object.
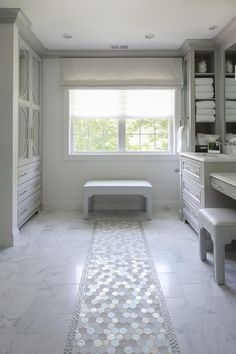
(205, 110)
(230, 111)
(230, 89)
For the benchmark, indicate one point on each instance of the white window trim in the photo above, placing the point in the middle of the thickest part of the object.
(121, 155)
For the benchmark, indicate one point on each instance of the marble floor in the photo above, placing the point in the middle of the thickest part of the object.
(40, 277)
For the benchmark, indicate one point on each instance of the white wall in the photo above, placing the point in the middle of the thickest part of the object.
(63, 179)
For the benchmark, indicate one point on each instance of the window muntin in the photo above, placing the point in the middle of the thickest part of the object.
(123, 120)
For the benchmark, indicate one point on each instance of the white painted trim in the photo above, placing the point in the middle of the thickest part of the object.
(227, 36)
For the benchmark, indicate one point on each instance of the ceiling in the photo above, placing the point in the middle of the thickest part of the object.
(100, 24)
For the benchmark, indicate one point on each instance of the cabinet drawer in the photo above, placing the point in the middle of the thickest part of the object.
(28, 207)
(193, 191)
(29, 171)
(28, 188)
(190, 212)
(223, 187)
(192, 169)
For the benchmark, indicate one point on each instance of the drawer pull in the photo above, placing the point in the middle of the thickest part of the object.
(23, 174)
(22, 212)
(22, 193)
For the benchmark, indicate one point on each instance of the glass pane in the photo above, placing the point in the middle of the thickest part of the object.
(23, 148)
(24, 74)
(147, 135)
(95, 135)
(36, 80)
(36, 133)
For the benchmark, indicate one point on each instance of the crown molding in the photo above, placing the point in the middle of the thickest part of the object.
(197, 44)
(227, 36)
(9, 15)
(111, 53)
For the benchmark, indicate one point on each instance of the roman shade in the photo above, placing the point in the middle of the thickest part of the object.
(162, 72)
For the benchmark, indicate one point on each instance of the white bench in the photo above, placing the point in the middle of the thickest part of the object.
(118, 187)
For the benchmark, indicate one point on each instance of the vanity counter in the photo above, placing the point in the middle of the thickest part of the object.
(209, 157)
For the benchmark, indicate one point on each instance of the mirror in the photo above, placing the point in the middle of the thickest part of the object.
(24, 74)
(36, 132)
(36, 80)
(230, 94)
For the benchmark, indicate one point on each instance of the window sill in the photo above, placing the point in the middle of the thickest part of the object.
(123, 157)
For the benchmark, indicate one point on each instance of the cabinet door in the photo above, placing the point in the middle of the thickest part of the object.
(36, 80)
(35, 138)
(23, 141)
(24, 74)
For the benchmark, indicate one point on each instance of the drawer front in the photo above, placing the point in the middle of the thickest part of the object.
(223, 187)
(192, 169)
(190, 212)
(29, 171)
(26, 189)
(27, 207)
(193, 191)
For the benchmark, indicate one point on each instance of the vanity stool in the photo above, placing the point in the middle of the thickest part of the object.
(221, 225)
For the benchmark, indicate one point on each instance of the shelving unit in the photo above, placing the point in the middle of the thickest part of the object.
(230, 94)
(29, 166)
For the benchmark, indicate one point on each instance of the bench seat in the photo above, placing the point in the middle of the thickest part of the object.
(118, 187)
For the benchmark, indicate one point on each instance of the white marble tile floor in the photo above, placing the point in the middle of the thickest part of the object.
(40, 278)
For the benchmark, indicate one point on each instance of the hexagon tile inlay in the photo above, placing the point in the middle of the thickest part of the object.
(120, 307)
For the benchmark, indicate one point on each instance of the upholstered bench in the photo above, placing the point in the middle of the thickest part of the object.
(221, 226)
(118, 187)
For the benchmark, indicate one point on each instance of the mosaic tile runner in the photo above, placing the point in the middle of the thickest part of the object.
(120, 307)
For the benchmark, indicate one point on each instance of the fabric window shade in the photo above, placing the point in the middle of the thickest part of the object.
(162, 72)
(121, 104)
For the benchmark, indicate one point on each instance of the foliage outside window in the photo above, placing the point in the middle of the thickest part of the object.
(121, 120)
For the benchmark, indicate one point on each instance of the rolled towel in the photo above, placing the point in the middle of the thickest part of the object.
(230, 104)
(207, 111)
(204, 95)
(230, 81)
(230, 118)
(202, 88)
(205, 104)
(230, 111)
(204, 81)
(205, 118)
(230, 95)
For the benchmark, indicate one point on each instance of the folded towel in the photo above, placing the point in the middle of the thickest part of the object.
(231, 137)
(204, 95)
(230, 118)
(205, 104)
(202, 88)
(230, 104)
(205, 118)
(230, 88)
(204, 81)
(230, 81)
(230, 111)
(181, 139)
(204, 138)
(230, 95)
(211, 137)
(201, 111)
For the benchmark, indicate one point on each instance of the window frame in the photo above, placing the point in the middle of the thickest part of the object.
(121, 154)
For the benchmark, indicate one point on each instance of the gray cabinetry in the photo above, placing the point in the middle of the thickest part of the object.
(29, 123)
(196, 189)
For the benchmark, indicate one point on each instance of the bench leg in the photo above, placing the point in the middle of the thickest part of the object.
(148, 204)
(86, 206)
(202, 244)
(219, 262)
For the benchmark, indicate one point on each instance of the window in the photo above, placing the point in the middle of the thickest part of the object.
(121, 120)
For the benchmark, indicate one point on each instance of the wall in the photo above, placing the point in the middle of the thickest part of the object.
(63, 179)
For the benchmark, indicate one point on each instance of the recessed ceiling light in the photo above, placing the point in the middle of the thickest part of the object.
(67, 35)
(212, 28)
(149, 35)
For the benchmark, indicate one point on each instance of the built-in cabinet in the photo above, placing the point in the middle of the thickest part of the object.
(200, 109)
(196, 189)
(230, 93)
(29, 122)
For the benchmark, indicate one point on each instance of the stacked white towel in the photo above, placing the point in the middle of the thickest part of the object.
(204, 88)
(205, 111)
(230, 111)
(230, 88)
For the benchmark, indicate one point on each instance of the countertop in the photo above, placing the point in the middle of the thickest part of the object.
(205, 157)
(227, 177)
